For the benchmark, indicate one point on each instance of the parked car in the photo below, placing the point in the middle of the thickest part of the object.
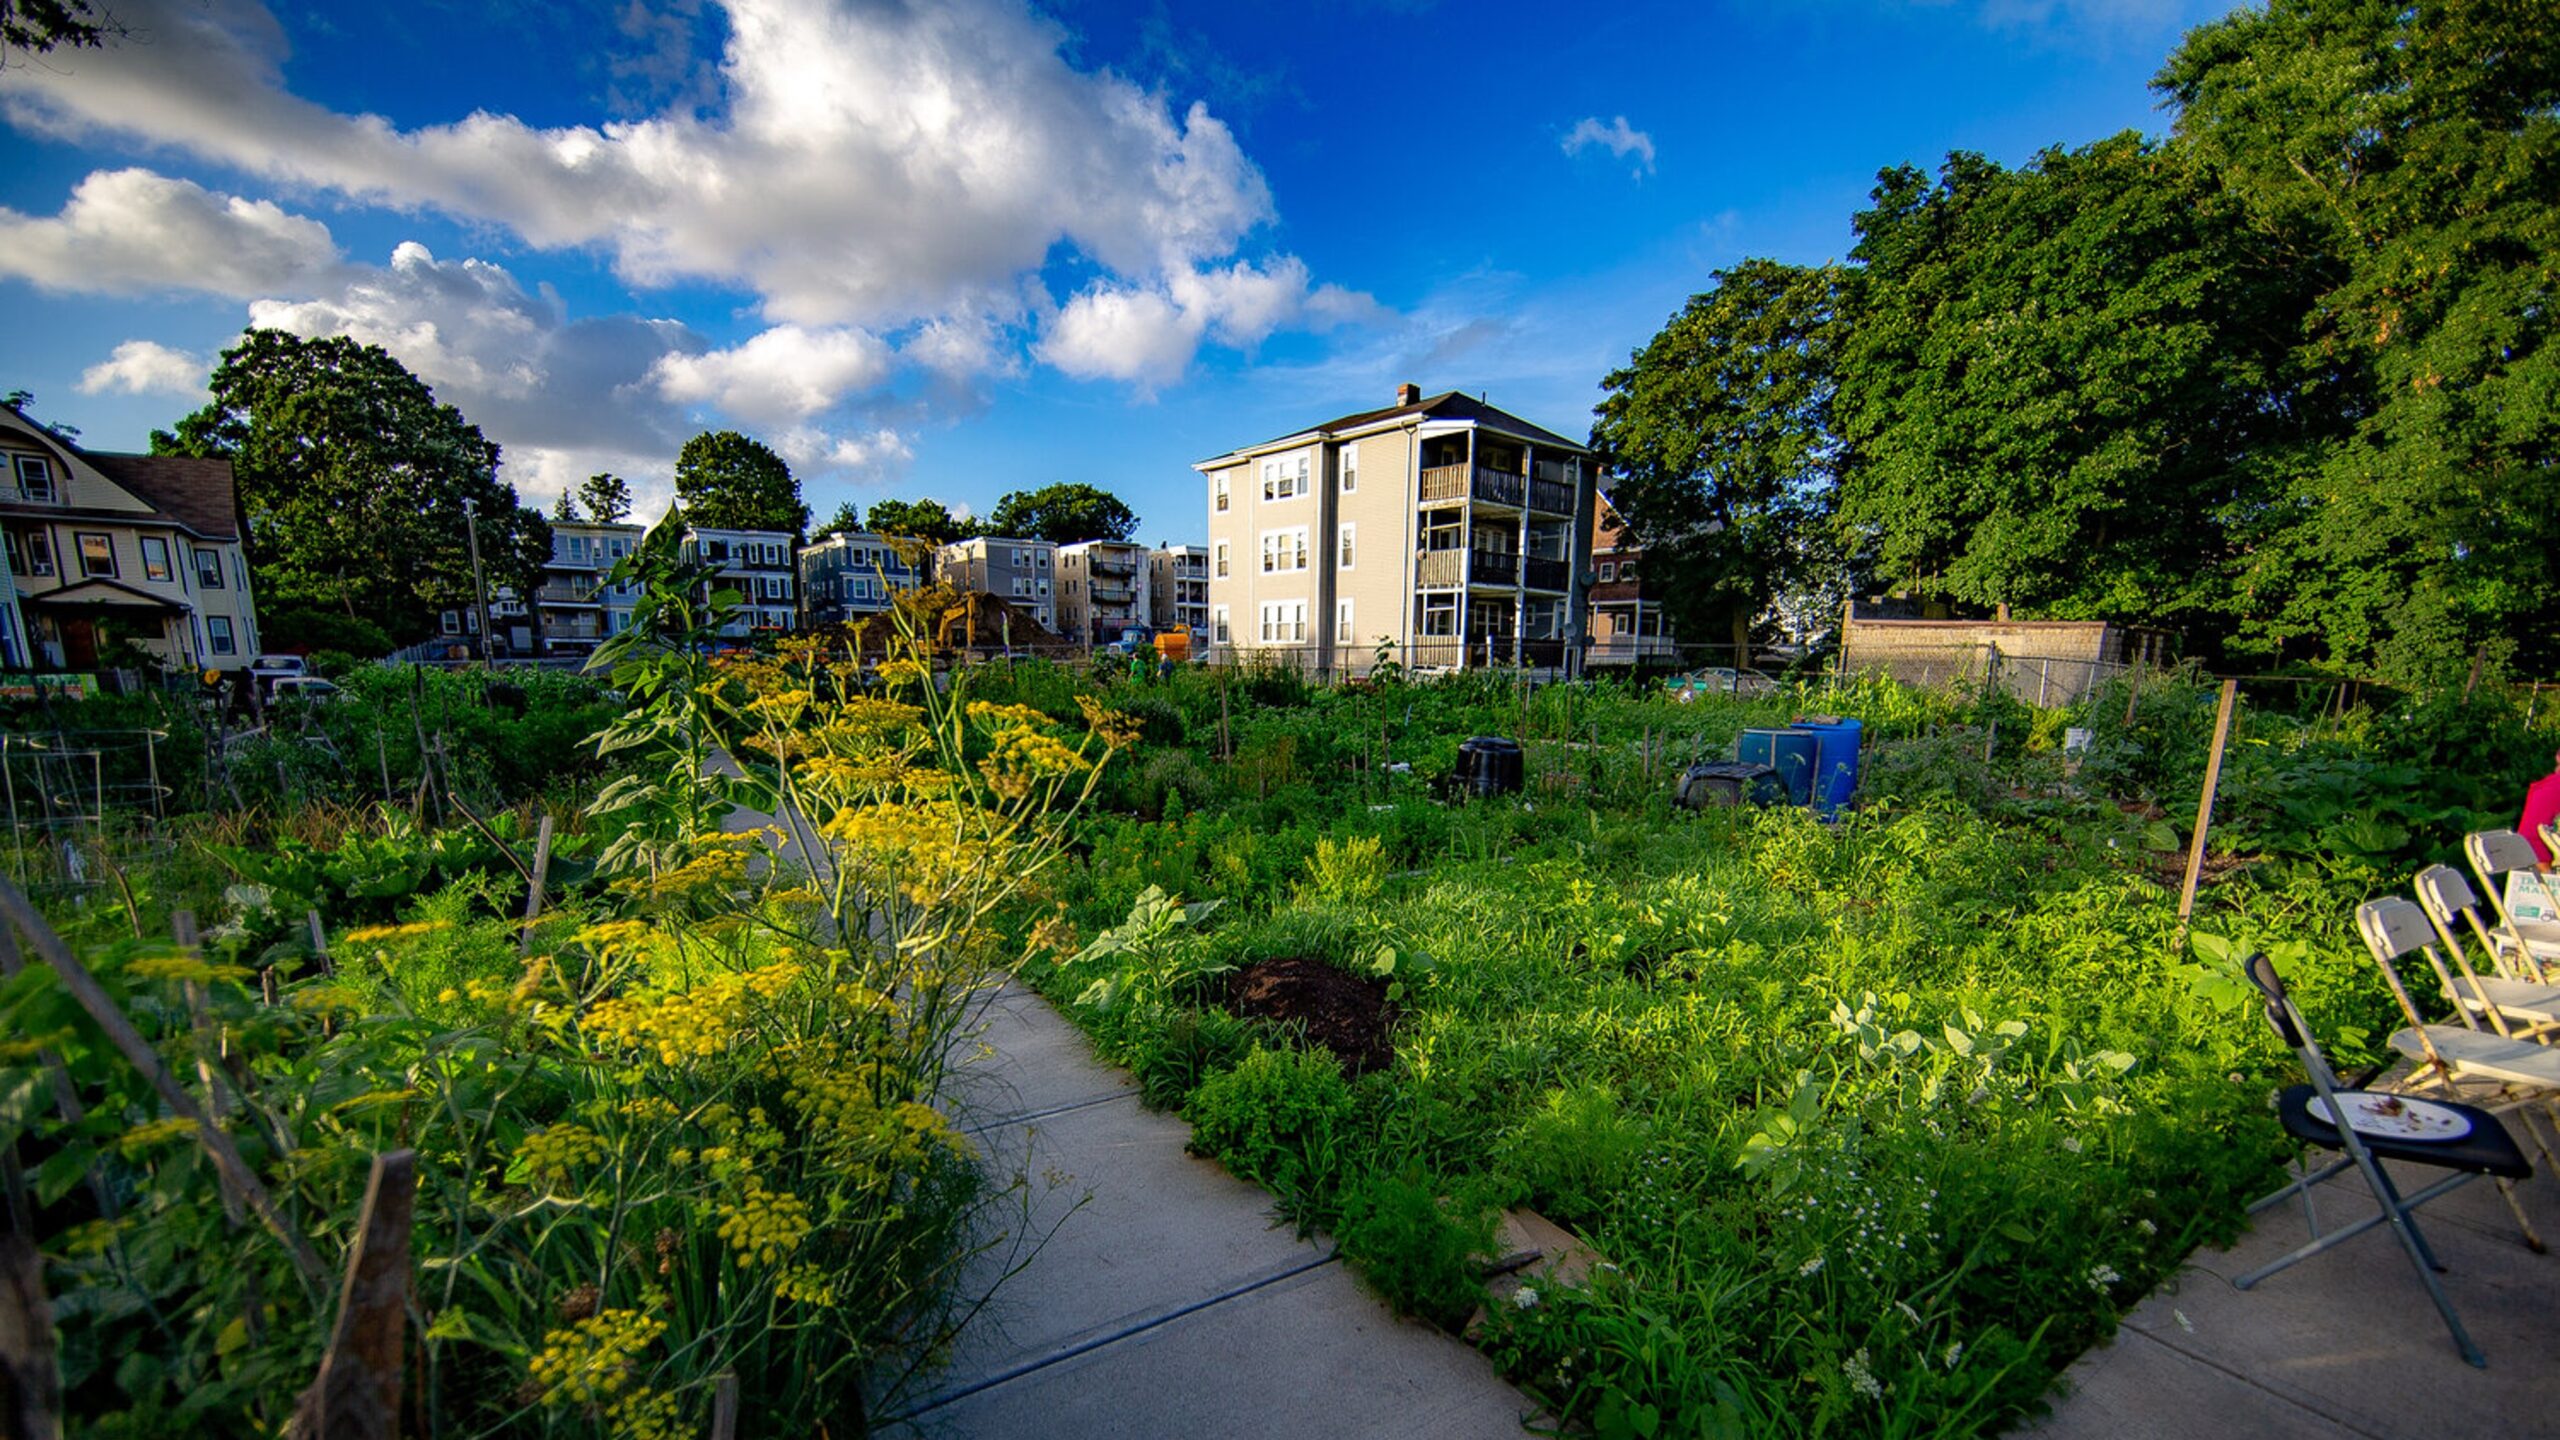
(1719, 680)
(266, 670)
(303, 687)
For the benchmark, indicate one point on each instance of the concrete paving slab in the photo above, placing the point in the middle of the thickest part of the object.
(1027, 1060)
(1135, 1230)
(1309, 1355)
(2347, 1341)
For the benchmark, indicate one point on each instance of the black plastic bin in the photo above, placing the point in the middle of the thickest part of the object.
(1722, 784)
(1488, 765)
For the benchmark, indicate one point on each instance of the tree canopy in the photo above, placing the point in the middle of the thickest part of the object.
(354, 482)
(1066, 513)
(2283, 379)
(727, 481)
(607, 498)
(1720, 446)
(923, 519)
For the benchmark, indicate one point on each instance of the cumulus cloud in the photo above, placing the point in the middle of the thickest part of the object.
(131, 231)
(1148, 334)
(1617, 137)
(870, 165)
(146, 367)
(785, 374)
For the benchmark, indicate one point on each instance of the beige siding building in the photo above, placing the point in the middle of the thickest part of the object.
(1178, 587)
(1103, 589)
(1448, 531)
(1022, 572)
(104, 547)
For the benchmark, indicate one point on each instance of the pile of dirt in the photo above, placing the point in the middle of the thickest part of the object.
(1345, 1013)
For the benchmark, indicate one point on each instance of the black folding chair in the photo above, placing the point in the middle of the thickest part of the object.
(2486, 1150)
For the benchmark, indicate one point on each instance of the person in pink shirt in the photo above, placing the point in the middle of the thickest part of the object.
(2541, 807)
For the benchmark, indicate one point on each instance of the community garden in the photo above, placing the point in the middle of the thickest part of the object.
(1875, 1123)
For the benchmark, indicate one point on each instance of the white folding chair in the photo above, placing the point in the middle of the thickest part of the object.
(2494, 855)
(2514, 1006)
(2484, 1148)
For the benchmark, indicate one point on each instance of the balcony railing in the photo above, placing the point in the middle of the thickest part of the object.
(568, 595)
(1448, 569)
(1552, 496)
(1540, 574)
(1123, 568)
(1451, 482)
(1113, 594)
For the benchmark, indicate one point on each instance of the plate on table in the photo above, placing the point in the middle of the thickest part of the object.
(2394, 1117)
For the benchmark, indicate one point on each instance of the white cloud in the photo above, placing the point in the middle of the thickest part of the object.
(1148, 335)
(785, 374)
(146, 367)
(872, 165)
(875, 455)
(1617, 137)
(510, 359)
(132, 231)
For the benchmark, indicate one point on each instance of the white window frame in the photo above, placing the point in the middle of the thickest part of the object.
(1346, 545)
(1343, 629)
(1218, 632)
(168, 567)
(1349, 467)
(80, 541)
(1284, 622)
(1608, 571)
(1284, 551)
(1222, 559)
(40, 552)
(219, 636)
(1219, 499)
(46, 490)
(1284, 477)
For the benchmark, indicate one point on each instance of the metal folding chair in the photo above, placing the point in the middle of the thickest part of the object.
(2486, 1149)
(2513, 1005)
(2494, 855)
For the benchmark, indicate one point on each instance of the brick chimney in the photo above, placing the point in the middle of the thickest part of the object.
(1408, 394)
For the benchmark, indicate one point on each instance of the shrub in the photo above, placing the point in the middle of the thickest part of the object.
(1278, 1119)
(1416, 1248)
(1578, 1150)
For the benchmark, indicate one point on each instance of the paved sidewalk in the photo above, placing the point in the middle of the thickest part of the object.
(2343, 1344)
(1166, 1301)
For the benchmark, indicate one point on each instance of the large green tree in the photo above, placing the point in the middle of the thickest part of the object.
(1066, 513)
(2407, 156)
(354, 481)
(927, 520)
(2065, 383)
(37, 27)
(1719, 446)
(727, 481)
(606, 496)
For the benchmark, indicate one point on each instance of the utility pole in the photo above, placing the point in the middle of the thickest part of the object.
(479, 588)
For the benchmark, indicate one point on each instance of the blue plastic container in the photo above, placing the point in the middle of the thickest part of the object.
(1834, 781)
(1792, 753)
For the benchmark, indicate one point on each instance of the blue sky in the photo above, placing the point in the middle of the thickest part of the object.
(958, 248)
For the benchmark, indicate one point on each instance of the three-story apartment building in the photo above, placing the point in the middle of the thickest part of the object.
(1103, 589)
(1628, 626)
(1445, 529)
(579, 610)
(1021, 572)
(760, 564)
(849, 575)
(104, 547)
(1178, 588)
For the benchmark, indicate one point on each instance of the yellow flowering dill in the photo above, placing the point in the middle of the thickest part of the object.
(691, 1024)
(805, 1285)
(1022, 759)
(366, 935)
(613, 936)
(555, 1153)
(762, 1225)
(177, 965)
(155, 1132)
(1004, 717)
(931, 849)
(594, 1361)
(1117, 730)
(328, 999)
(901, 672)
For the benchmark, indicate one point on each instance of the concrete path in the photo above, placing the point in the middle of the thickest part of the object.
(1166, 1300)
(2343, 1344)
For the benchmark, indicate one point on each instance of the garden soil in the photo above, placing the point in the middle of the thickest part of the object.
(1345, 1013)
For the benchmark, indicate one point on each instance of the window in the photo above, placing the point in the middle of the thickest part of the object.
(1284, 550)
(1022, 585)
(1440, 615)
(1284, 622)
(1218, 625)
(1343, 547)
(1350, 464)
(1342, 627)
(1222, 559)
(1044, 590)
(1284, 478)
(155, 558)
(1608, 571)
(1627, 570)
(97, 555)
(219, 627)
(452, 623)
(1218, 491)
(1043, 559)
(35, 479)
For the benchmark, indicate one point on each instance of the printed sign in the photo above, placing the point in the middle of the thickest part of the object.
(2532, 896)
(33, 687)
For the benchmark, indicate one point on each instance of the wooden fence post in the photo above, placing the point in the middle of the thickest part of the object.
(356, 1395)
(2204, 803)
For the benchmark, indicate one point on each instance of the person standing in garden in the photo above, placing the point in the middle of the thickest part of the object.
(2541, 807)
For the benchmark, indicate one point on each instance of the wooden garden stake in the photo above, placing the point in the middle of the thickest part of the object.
(30, 1377)
(357, 1393)
(199, 1021)
(319, 941)
(2133, 691)
(724, 1408)
(2204, 802)
(541, 873)
(236, 1176)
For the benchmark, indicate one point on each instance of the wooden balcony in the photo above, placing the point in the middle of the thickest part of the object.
(1444, 483)
(1449, 569)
